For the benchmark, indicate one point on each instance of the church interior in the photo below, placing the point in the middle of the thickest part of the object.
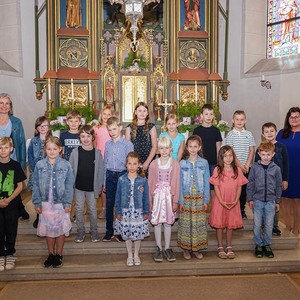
(175, 56)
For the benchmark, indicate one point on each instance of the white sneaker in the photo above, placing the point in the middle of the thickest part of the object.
(137, 261)
(102, 215)
(130, 261)
(2, 263)
(10, 262)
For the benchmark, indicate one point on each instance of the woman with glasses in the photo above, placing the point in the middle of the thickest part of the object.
(290, 136)
(11, 126)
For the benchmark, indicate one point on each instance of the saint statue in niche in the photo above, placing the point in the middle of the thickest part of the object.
(73, 18)
(110, 90)
(192, 14)
(158, 91)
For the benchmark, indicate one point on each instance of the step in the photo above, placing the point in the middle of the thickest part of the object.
(27, 244)
(113, 266)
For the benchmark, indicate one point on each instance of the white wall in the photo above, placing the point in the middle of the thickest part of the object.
(245, 92)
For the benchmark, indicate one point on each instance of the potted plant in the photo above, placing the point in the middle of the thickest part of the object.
(224, 128)
(56, 127)
(185, 128)
(189, 109)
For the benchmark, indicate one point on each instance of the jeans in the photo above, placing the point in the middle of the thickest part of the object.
(244, 194)
(111, 189)
(9, 227)
(211, 169)
(80, 198)
(263, 212)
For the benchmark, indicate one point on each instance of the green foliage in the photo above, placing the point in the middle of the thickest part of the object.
(87, 112)
(188, 110)
(128, 61)
(184, 128)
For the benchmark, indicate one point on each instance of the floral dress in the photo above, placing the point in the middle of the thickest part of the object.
(132, 226)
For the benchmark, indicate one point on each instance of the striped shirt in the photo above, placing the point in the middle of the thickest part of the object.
(240, 141)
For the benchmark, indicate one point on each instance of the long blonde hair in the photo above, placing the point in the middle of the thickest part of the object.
(106, 107)
(135, 120)
(170, 116)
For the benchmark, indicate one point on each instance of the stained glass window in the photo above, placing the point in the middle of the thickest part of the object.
(283, 28)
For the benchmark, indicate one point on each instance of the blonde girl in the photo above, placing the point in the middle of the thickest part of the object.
(193, 200)
(170, 125)
(142, 134)
(52, 197)
(101, 137)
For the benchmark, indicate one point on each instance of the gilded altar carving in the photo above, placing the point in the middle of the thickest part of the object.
(73, 18)
(80, 95)
(188, 94)
(193, 55)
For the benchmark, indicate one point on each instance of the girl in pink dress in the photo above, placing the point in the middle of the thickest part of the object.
(164, 184)
(227, 179)
(101, 137)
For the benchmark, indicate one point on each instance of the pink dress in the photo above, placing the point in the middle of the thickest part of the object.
(220, 217)
(102, 136)
(162, 200)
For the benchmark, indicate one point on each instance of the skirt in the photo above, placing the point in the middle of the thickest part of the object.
(192, 232)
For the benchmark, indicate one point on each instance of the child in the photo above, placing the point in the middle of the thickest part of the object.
(177, 139)
(36, 150)
(132, 214)
(87, 165)
(101, 137)
(227, 179)
(69, 139)
(210, 136)
(164, 185)
(264, 191)
(281, 159)
(193, 200)
(12, 177)
(142, 134)
(116, 151)
(243, 144)
(52, 196)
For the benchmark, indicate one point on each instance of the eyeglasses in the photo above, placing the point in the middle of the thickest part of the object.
(5, 103)
(295, 117)
(43, 126)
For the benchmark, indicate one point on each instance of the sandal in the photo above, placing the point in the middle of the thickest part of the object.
(221, 253)
(198, 255)
(230, 253)
(187, 254)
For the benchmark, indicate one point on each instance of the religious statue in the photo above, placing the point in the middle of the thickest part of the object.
(73, 18)
(288, 9)
(192, 14)
(192, 55)
(110, 90)
(158, 91)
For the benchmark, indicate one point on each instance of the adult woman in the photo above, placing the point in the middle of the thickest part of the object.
(290, 136)
(11, 126)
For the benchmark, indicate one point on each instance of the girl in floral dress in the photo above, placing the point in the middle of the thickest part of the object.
(132, 208)
(52, 197)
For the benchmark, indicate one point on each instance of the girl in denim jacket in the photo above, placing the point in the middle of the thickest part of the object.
(193, 199)
(132, 207)
(36, 149)
(52, 197)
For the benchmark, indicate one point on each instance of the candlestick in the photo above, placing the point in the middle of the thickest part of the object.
(72, 89)
(262, 77)
(196, 92)
(90, 91)
(177, 94)
(49, 89)
(214, 91)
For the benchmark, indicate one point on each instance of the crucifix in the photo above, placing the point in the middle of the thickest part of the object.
(166, 105)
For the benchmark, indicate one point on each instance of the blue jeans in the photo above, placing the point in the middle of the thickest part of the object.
(263, 212)
(211, 169)
(111, 189)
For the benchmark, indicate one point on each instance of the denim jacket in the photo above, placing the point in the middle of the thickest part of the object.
(140, 194)
(34, 151)
(202, 176)
(62, 182)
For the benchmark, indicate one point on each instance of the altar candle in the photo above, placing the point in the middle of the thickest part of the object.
(262, 77)
(196, 92)
(214, 91)
(49, 89)
(177, 91)
(72, 89)
(90, 90)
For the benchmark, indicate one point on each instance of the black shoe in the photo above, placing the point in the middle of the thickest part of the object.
(259, 251)
(268, 251)
(158, 254)
(108, 237)
(36, 222)
(24, 216)
(57, 263)
(119, 239)
(49, 261)
(169, 255)
(276, 231)
(244, 216)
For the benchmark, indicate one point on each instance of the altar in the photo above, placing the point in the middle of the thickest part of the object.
(100, 52)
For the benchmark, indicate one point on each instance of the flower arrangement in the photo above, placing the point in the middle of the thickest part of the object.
(197, 120)
(185, 126)
(223, 126)
(94, 123)
(56, 125)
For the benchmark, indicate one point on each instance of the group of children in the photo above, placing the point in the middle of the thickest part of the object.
(141, 189)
